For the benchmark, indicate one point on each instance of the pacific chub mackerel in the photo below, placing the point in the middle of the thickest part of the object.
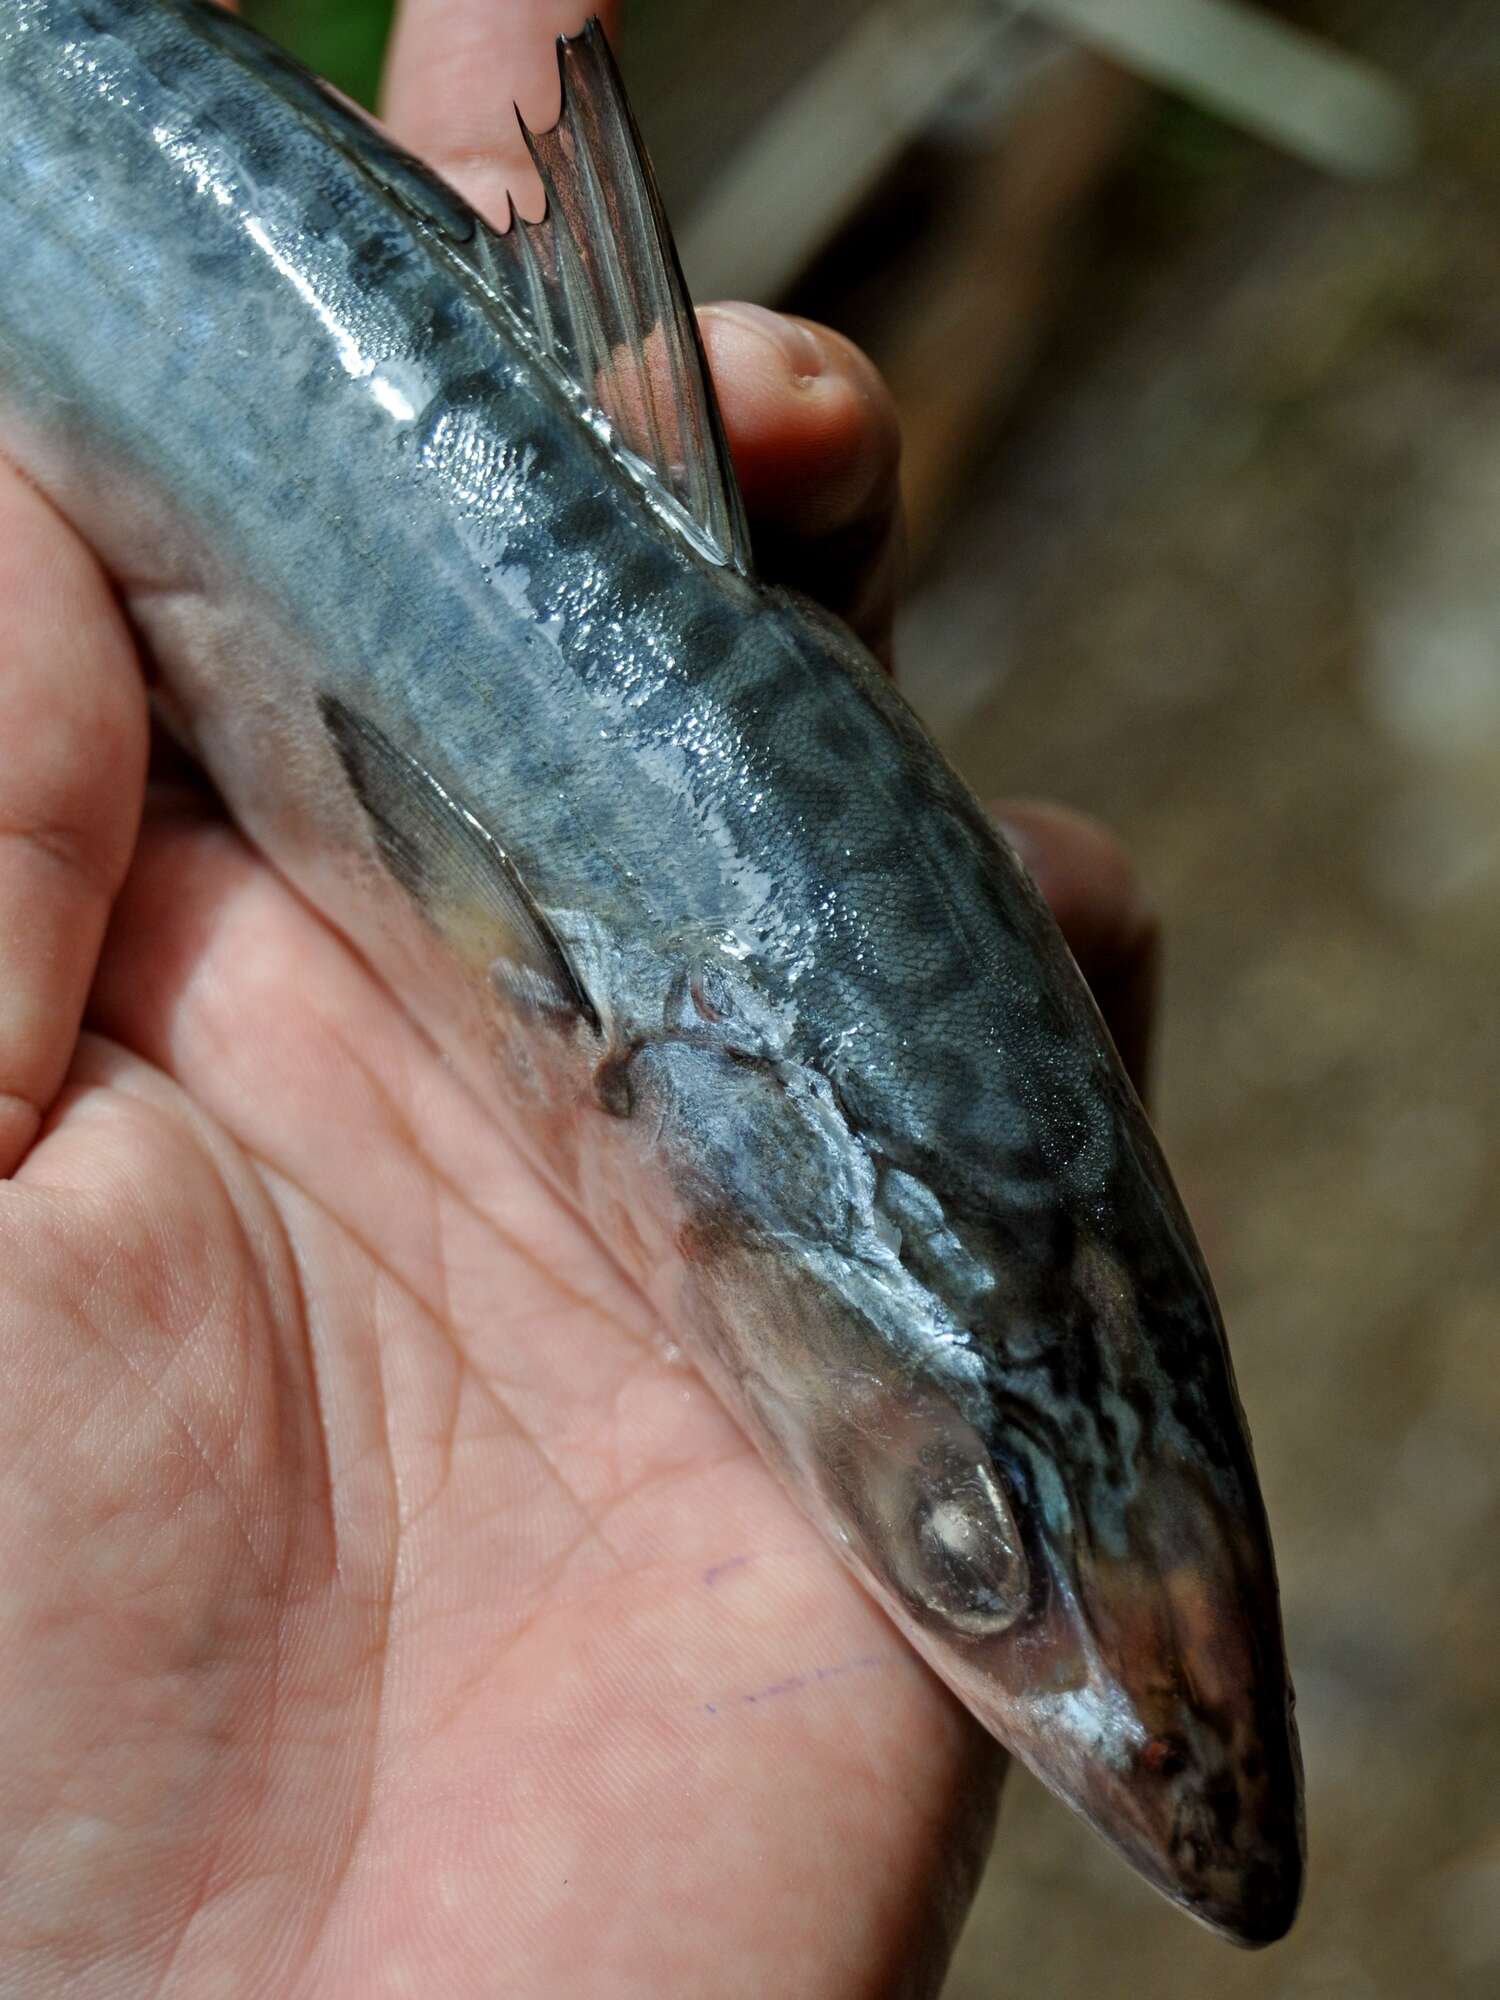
(435, 546)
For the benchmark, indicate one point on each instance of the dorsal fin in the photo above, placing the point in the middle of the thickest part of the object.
(597, 285)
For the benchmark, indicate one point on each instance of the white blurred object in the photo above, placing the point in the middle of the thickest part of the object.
(824, 147)
(1278, 81)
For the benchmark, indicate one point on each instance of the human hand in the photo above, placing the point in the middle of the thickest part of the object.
(384, 1612)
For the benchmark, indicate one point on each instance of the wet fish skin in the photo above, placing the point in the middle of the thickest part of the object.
(807, 1049)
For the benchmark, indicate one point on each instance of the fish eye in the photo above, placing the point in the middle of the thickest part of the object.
(901, 1478)
(968, 1569)
(933, 1518)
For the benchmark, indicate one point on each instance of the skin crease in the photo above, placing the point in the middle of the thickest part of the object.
(382, 1610)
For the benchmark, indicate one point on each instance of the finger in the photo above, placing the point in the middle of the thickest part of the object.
(1103, 911)
(817, 447)
(72, 769)
(456, 72)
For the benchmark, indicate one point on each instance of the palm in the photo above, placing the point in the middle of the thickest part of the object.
(390, 1597)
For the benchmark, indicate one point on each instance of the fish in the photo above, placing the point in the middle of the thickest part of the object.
(432, 536)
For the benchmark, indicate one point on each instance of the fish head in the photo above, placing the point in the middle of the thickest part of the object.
(1119, 1633)
(1022, 1432)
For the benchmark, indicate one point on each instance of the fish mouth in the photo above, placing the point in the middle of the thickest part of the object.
(1211, 1801)
(1150, 1693)
(1204, 1802)
(1229, 1853)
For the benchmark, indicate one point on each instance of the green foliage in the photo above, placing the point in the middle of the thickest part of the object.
(343, 40)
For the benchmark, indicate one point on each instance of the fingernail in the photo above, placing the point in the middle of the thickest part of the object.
(798, 346)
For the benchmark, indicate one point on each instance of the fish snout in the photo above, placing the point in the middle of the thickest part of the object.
(1204, 1802)
(1210, 1812)
(1205, 1788)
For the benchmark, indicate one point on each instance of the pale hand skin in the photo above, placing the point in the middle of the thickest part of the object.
(383, 1611)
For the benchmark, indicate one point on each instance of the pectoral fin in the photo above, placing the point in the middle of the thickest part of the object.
(454, 869)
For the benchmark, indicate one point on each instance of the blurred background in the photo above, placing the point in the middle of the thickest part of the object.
(1193, 311)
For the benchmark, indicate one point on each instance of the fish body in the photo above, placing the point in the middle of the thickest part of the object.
(435, 549)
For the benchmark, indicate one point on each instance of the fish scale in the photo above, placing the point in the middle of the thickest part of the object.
(442, 566)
